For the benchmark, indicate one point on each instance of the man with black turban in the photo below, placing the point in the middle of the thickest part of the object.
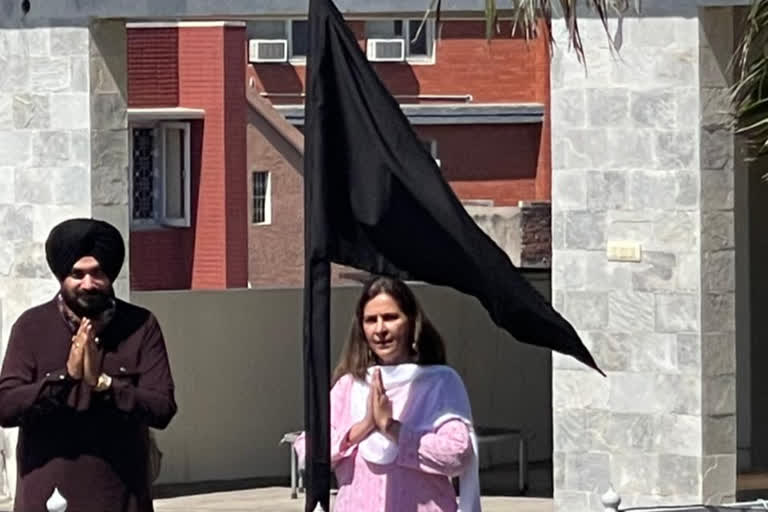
(84, 377)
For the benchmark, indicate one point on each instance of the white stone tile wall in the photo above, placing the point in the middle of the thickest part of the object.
(632, 161)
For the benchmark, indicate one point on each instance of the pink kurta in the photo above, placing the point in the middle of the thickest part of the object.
(417, 481)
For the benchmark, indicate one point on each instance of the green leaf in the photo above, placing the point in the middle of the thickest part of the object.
(749, 94)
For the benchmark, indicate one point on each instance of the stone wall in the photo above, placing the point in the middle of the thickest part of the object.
(627, 146)
(45, 154)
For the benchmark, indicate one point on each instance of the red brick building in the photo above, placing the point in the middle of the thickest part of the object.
(480, 106)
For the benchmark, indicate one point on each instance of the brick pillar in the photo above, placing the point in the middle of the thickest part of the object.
(212, 77)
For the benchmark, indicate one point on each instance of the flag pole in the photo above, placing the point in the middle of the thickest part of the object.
(317, 383)
(317, 296)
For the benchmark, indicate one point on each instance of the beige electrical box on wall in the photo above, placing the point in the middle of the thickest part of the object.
(623, 250)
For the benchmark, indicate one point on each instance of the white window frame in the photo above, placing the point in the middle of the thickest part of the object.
(167, 220)
(432, 146)
(159, 218)
(267, 199)
(429, 27)
(294, 59)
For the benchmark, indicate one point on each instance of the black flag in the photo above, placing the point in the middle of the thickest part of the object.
(376, 200)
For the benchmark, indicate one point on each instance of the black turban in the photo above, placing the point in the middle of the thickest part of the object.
(76, 238)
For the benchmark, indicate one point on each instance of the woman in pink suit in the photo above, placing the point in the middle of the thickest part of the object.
(401, 424)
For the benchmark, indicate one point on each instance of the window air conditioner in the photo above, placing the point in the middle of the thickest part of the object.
(386, 50)
(268, 50)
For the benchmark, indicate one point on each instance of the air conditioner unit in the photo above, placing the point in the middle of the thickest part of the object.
(386, 50)
(268, 50)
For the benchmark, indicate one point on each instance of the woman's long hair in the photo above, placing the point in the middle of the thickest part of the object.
(424, 341)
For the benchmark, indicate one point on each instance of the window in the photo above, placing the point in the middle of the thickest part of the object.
(160, 185)
(267, 29)
(418, 44)
(143, 170)
(295, 32)
(175, 169)
(261, 203)
(383, 29)
(299, 38)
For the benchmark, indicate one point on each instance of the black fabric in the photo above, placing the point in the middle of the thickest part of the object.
(76, 238)
(376, 200)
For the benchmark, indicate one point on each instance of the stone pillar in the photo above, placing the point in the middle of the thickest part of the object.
(63, 152)
(717, 43)
(627, 145)
(108, 86)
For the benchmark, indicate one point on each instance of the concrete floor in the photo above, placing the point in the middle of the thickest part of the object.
(277, 499)
(498, 486)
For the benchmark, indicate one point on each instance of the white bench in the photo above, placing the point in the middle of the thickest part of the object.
(296, 483)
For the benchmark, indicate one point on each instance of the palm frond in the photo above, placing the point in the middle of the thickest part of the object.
(526, 15)
(749, 93)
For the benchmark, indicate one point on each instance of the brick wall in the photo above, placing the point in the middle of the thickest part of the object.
(496, 162)
(276, 250)
(153, 71)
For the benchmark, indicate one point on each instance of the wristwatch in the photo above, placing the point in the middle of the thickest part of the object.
(104, 383)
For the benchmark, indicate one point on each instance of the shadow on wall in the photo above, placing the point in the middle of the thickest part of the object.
(236, 359)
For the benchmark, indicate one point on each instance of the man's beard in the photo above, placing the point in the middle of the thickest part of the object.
(89, 304)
